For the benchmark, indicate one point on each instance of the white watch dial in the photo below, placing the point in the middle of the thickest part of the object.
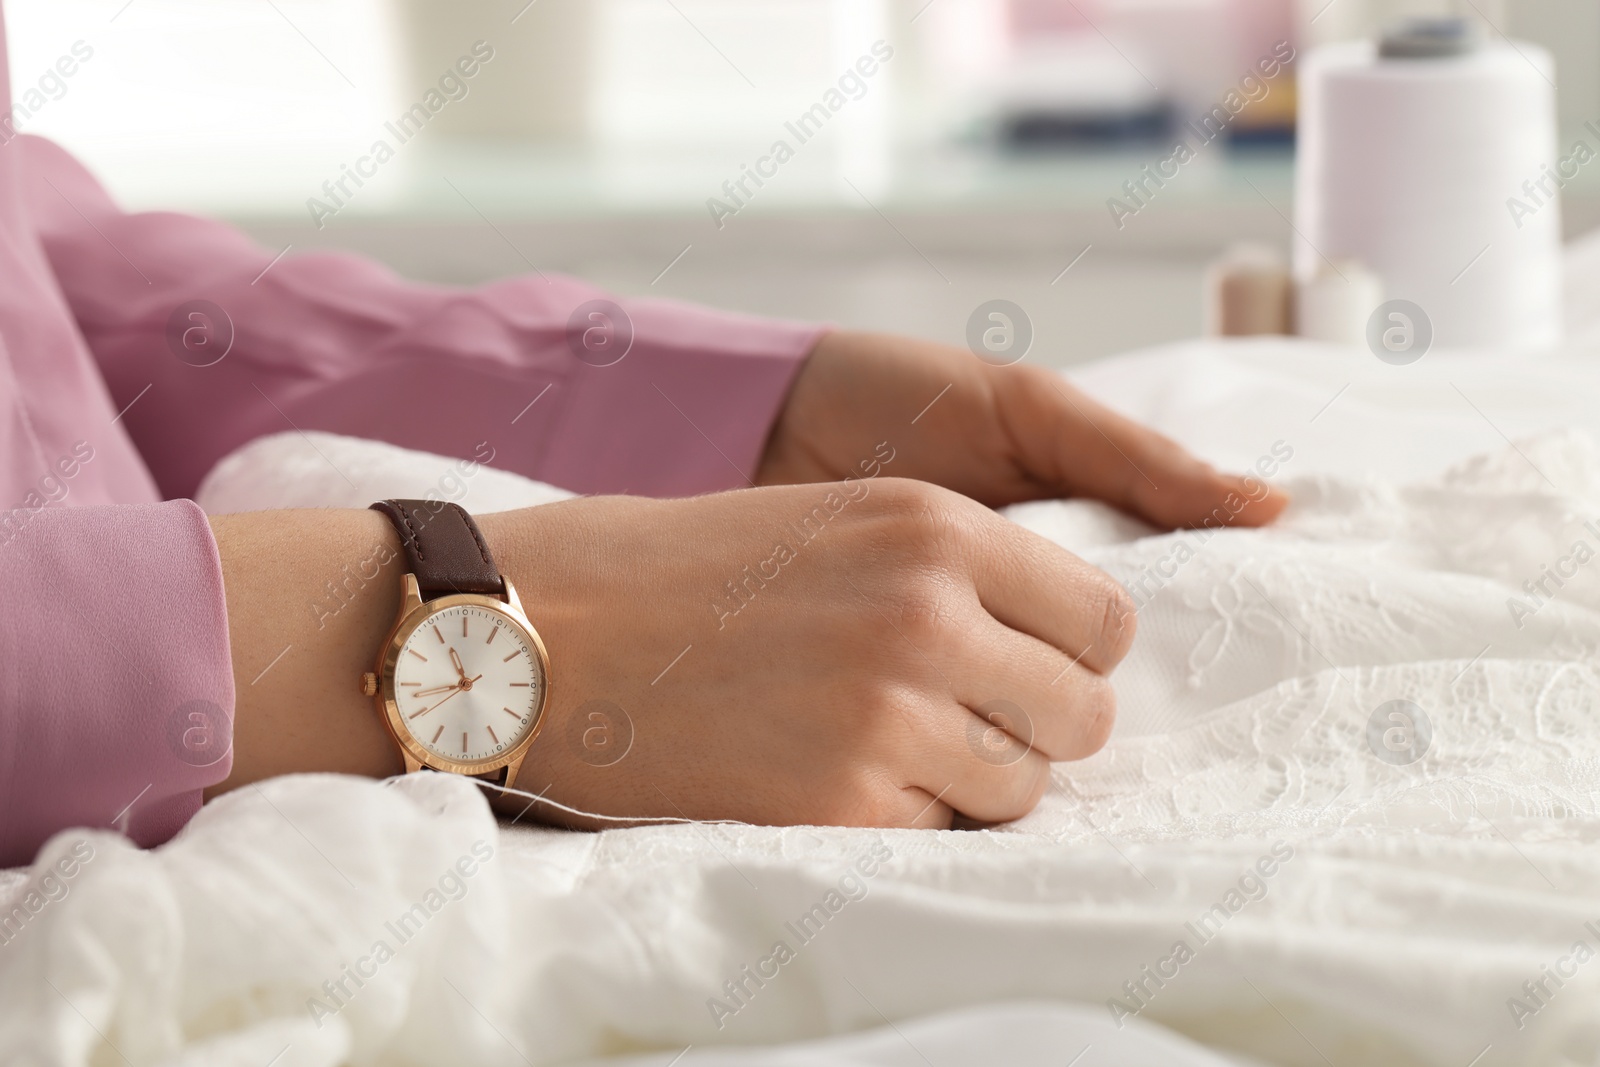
(468, 684)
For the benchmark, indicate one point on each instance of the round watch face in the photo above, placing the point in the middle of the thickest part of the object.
(468, 684)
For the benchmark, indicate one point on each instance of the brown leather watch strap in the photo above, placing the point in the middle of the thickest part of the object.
(443, 548)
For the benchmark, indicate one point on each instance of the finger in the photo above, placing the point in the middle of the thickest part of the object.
(945, 764)
(920, 810)
(1022, 687)
(1075, 445)
(1038, 588)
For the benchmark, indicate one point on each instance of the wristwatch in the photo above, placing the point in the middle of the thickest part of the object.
(463, 679)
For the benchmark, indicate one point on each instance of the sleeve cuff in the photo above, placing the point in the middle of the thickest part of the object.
(116, 688)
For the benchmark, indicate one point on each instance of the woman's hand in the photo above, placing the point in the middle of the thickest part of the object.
(874, 652)
(809, 654)
(997, 434)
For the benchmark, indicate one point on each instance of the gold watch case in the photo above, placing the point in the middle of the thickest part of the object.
(415, 613)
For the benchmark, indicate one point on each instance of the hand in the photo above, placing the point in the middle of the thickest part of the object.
(997, 434)
(838, 686)
(834, 681)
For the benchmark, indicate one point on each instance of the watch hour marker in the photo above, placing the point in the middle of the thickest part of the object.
(513, 656)
(491, 733)
(463, 742)
(492, 634)
(439, 635)
(511, 713)
(463, 626)
(437, 733)
(524, 685)
(417, 654)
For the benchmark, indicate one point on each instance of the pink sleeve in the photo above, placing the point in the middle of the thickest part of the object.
(115, 679)
(332, 342)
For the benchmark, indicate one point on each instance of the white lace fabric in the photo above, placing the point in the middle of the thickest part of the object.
(1271, 649)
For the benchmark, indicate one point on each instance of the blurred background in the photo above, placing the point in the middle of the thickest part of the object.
(599, 138)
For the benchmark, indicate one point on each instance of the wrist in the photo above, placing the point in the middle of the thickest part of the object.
(310, 596)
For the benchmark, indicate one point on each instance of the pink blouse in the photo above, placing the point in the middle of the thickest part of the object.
(116, 692)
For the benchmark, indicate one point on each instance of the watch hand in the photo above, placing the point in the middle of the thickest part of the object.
(437, 689)
(455, 658)
(424, 711)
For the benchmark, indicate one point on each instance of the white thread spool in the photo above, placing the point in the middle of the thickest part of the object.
(1407, 161)
(1335, 304)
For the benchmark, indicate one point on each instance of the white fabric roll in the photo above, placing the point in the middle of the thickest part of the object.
(1407, 165)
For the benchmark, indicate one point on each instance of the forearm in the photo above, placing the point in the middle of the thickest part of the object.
(330, 342)
(306, 614)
